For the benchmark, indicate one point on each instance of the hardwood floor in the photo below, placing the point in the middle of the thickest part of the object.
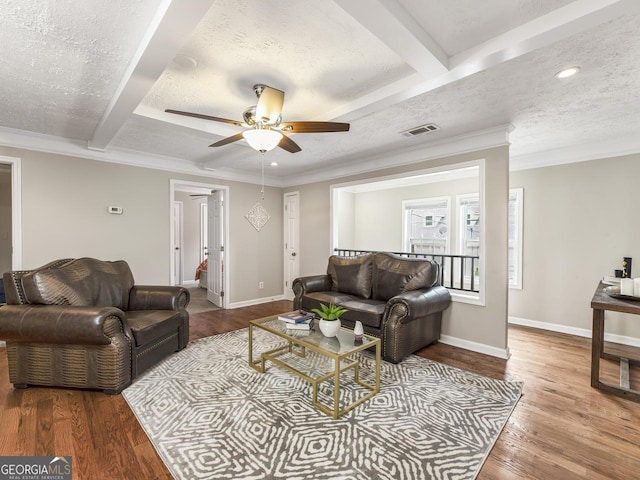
(561, 428)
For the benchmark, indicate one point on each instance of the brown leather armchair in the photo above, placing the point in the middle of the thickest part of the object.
(83, 323)
(398, 300)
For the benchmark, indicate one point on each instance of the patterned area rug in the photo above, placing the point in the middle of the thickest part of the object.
(210, 416)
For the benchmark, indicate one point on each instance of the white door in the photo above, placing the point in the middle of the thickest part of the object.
(204, 232)
(177, 242)
(291, 241)
(215, 266)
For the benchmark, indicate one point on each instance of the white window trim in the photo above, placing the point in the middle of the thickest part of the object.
(519, 193)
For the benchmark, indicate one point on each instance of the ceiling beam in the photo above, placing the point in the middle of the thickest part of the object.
(171, 26)
(556, 25)
(571, 19)
(393, 26)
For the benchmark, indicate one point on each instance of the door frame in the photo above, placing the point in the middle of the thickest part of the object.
(173, 183)
(16, 210)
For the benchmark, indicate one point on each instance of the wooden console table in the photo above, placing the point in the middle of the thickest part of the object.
(600, 303)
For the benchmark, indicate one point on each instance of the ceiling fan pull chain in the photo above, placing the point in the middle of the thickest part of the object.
(262, 186)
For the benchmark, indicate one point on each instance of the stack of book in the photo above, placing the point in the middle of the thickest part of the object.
(297, 320)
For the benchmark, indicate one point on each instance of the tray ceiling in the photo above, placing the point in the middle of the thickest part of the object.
(97, 76)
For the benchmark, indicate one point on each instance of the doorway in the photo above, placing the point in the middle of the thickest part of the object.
(195, 241)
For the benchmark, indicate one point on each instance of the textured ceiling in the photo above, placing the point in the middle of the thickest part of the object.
(460, 25)
(63, 61)
(101, 75)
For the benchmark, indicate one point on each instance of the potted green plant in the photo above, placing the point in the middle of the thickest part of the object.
(329, 318)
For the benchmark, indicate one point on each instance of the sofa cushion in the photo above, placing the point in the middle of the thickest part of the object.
(351, 275)
(314, 299)
(83, 282)
(367, 311)
(393, 275)
(150, 325)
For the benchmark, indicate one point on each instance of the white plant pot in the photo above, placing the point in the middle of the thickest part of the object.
(329, 328)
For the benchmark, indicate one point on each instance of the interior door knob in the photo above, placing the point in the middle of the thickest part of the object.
(293, 254)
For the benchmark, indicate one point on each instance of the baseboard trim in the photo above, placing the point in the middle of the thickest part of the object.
(255, 301)
(502, 353)
(578, 332)
(190, 283)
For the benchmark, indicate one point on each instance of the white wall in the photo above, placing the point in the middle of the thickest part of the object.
(345, 236)
(64, 214)
(580, 219)
(378, 214)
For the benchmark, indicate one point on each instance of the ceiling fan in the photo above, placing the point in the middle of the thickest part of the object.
(265, 128)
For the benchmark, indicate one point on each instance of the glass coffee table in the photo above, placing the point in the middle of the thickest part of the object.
(293, 356)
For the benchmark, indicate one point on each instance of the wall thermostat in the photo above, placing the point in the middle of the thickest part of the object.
(115, 210)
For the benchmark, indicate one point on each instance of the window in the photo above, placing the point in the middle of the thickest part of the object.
(425, 225)
(470, 226)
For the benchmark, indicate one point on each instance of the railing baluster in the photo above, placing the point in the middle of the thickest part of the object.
(473, 273)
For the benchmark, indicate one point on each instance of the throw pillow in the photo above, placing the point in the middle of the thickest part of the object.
(394, 275)
(351, 275)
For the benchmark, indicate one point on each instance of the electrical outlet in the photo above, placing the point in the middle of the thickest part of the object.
(261, 285)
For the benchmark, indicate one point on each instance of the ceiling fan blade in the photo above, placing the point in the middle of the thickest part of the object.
(269, 104)
(226, 141)
(313, 127)
(289, 145)
(205, 117)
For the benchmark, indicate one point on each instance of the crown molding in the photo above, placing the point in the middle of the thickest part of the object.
(446, 147)
(480, 140)
(585, 152)
(39, 142)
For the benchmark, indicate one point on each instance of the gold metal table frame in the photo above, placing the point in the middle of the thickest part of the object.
(342, 354)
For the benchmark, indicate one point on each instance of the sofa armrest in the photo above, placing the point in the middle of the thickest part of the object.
(158, 297)
(303, 285)
(420, 303)
(60, 324)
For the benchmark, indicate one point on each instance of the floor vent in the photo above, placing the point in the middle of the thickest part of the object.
(421, 130)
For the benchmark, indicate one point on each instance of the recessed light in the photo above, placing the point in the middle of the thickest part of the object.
(274, 164)
(185, 61)
(567, 72)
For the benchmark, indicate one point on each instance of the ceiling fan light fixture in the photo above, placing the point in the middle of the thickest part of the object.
(262, 140)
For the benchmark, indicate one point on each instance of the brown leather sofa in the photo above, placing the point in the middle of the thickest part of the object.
(397, 299)
(83, 323)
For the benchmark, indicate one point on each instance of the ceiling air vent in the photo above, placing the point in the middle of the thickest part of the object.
(421, 130)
